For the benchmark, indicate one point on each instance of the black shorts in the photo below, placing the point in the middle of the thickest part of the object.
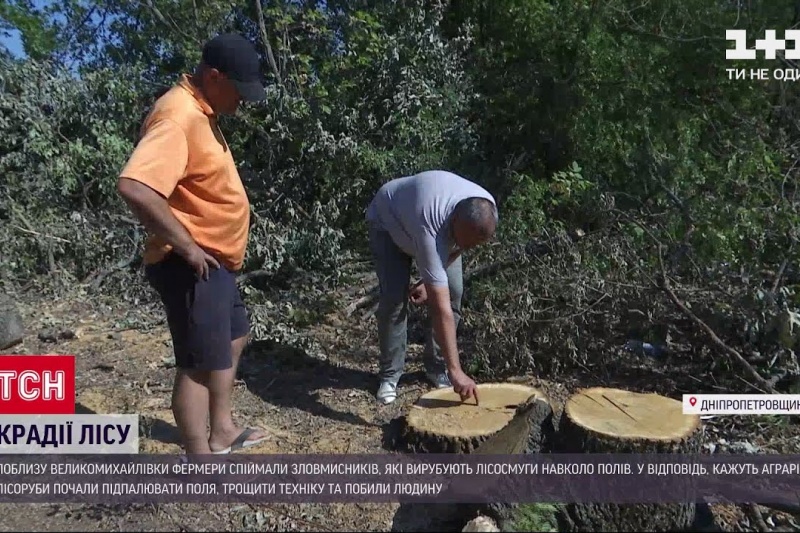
(204, 316)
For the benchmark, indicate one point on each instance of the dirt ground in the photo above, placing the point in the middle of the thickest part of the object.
(310, 405)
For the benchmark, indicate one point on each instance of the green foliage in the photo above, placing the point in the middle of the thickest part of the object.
(615, 118)
(535, 517)
(39, 36)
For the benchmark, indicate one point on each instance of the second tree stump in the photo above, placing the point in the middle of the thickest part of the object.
(600, 420)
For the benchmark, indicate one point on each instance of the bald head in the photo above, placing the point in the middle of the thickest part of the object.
(474, 222)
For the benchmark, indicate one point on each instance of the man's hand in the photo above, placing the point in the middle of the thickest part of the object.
(153, 211)
(200, 261)
(444, 330)
(463, 385)
(418, 294)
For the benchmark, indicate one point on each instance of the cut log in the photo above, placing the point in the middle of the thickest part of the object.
(510, 419)
(530, 431)
(600, 420)
(440, 422)
(11, 328)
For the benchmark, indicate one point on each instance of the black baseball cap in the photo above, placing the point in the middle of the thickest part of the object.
(237, 58)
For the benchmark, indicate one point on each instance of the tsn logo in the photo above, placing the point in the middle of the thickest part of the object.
(37, 384)
(770, 45)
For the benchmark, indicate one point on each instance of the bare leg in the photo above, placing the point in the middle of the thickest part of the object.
(202, 326)
(190, 407)
(237, 347)
(220, 386)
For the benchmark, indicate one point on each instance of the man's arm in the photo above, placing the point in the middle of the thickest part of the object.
(444, 330)
(443, 322)
(153, 171)
(154, 213)
(434, 275)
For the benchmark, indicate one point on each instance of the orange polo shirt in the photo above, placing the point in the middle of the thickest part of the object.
(183, 155)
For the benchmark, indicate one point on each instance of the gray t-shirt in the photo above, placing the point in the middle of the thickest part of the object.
(416, 212)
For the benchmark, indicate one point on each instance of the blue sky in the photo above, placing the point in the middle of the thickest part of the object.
(12, 42)
(11, 39)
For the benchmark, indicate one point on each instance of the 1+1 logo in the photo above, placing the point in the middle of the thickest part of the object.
(770, 45)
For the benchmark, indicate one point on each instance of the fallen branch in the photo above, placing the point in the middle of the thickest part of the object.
(364, 301)
(50, 257)
(121, 264)
(32, 232)
(666, 286)
(779, 275)
(783, 507)
(254, 274)
(782, 269)
(732, 353)
(127, 220)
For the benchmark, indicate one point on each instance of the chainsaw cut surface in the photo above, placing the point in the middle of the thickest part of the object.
(630, 415)
(442, 412)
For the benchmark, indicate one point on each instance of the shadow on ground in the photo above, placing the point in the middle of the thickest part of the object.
(159, 430)
(428, 517)
(287, 377)
(150, 427)
(81, 409)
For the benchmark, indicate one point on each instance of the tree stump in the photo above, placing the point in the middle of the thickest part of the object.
(440, 422)
(600, 420)
(11, 328)
(510, 419)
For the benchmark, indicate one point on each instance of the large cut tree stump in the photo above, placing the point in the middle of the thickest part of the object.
(600, 420)
(441, 423)
(11, 328)
(510, 419)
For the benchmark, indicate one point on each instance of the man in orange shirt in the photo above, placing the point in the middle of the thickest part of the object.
(183, 185)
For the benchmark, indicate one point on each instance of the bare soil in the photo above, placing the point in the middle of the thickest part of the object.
(310, 405)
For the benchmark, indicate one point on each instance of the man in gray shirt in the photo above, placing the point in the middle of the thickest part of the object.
(431, 217)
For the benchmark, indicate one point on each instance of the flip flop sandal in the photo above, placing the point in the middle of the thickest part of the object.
(241, 442)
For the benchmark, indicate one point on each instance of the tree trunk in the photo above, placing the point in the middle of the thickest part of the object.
(441, 423)
(600, 420)
(510, 419)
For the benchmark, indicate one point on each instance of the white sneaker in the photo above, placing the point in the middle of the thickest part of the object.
(387, 392)
(440, 380)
